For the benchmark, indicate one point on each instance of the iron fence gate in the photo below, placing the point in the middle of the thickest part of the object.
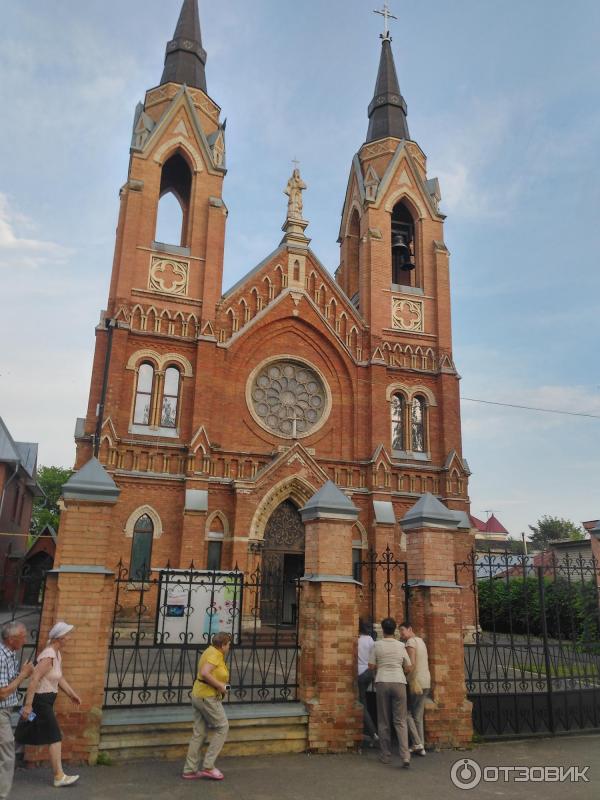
(385, 579)
(532, 664)
(164, 619)
(21, 600)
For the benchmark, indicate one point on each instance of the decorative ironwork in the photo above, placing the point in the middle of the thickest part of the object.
(162, 625)
(285, 529)
(22, 588)
(284, 539)
(532, 664)
(386, 580)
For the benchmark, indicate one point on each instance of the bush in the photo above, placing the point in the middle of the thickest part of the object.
(514, 606)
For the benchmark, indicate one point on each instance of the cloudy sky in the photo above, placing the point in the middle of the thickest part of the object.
(503, 97)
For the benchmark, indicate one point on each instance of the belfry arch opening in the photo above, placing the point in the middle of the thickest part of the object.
(174, 202)
(352, 257)
(403, 246)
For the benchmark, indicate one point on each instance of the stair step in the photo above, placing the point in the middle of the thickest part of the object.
(169, 738)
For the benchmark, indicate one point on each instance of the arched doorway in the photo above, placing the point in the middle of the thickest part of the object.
(282, 565)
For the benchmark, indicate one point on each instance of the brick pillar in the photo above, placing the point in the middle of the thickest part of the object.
(329, 624)
(437, 614)
(80, 590)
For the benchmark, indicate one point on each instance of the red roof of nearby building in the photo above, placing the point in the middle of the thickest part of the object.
(494, 525)
(477, 523)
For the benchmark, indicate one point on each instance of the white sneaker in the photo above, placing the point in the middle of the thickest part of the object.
(66, 780)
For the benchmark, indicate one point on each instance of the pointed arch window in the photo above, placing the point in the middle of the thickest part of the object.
(157, 399)
(403, 246)
(170, 401)
(141, 549)
(174, 202)
(398, 414)
(214, 554)
(143, 396)
(418, 411)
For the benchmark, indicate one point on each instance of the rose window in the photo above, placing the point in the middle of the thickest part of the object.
(288, 398)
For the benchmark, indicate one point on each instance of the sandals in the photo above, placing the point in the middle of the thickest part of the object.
(213, 774)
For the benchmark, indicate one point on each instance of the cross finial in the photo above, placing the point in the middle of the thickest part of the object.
(387, 15)
(295, 162)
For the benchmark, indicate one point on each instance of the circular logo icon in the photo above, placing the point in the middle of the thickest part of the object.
(466, 774)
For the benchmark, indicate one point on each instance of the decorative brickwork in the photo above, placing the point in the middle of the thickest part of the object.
(167, 310)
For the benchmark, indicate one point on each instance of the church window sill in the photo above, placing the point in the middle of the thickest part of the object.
(409, 455)
(145, 430)
(173, 249)
(397, 287)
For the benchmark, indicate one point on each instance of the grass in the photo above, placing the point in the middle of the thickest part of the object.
(559, 670)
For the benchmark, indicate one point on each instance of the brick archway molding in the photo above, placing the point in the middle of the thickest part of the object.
(296, 488)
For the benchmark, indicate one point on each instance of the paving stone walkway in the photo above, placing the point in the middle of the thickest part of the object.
(348, 777)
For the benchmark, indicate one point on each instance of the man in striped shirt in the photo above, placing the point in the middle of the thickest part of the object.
(13, 637)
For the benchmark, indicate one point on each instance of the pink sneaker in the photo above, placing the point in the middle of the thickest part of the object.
(214, 774)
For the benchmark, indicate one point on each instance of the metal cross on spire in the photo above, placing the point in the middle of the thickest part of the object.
(387, 15)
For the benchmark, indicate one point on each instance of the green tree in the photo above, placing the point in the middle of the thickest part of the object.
(45, 509)
(549, 529)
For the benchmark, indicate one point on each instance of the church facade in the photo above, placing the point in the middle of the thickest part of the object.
(219, 414)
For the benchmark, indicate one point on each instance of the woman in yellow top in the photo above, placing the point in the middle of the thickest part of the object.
(210, 687)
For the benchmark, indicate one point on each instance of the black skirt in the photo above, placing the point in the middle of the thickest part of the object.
(44, 728)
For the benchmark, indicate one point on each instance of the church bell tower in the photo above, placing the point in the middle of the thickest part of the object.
(177, 151)
(394, 265)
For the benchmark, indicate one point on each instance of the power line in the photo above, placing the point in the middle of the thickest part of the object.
(532, 408)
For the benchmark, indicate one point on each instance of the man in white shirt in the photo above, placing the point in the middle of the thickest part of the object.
(13, 637)
(417, 652)
(390, 660)
(365, 677)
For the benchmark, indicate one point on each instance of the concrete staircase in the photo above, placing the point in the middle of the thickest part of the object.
(131, 734)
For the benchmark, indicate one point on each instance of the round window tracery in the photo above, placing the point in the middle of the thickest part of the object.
(288, 398)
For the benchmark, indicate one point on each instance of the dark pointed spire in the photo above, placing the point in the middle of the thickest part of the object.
(387, 112)
(186, 58)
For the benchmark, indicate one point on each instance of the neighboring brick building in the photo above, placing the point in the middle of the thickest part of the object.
(220, 414)
(18, 489)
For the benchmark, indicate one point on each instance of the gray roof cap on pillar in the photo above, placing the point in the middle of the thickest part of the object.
(329, 501)
(428, 512)
(464, 523)
(93, 483)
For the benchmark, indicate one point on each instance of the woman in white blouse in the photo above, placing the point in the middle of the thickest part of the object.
(46, 680)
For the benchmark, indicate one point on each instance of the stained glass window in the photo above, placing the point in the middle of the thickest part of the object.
(397, 422)
(143, 397)
(417, 424)
(168, 417)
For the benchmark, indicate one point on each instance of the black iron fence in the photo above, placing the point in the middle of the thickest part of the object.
(385, 579)
(21, 599)
(161, 626)
(532, 662)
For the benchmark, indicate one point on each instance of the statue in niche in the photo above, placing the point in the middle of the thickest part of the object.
(294, 191)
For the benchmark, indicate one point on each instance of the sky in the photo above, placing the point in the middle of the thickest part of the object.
(504, 99)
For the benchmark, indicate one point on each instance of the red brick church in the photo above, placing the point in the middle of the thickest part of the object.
(220, 413)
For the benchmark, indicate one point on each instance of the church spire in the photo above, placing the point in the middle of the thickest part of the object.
(387, 112)
(185, 59)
